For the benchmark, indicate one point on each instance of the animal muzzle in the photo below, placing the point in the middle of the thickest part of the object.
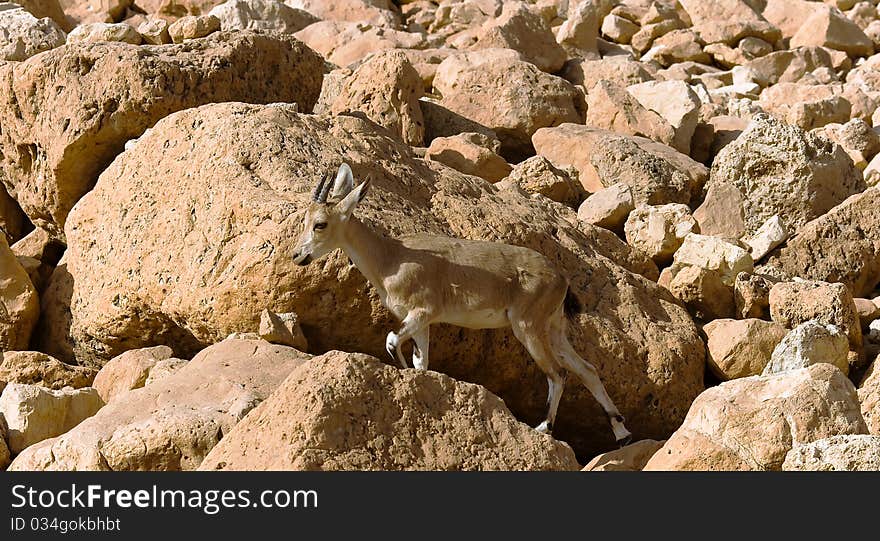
(302, 259)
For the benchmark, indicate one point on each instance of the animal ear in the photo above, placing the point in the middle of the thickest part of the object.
(344, 182)
(350, 201)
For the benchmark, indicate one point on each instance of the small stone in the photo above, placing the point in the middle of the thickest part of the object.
(155, 32)
(807, 344)
(608, 208)
(767, 237)
(282, 329)
(97, 32)
(35, 413)
(659, 231)
(193, 27)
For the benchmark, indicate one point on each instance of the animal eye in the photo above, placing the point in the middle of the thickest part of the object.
(322, 225)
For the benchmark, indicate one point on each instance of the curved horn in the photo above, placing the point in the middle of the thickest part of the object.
(316, 195)
(326, 185)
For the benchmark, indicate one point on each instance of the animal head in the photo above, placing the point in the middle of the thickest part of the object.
(324, 222)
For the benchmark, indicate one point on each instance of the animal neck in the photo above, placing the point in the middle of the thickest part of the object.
(369, 250)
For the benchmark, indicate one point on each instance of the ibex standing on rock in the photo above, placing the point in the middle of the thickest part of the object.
(425, 279)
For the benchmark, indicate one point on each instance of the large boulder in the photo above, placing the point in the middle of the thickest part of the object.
(520, 29)
(33, 413)
(19, 303)
(840, 246)
(261, 15)
(406, 420)
(752, 423)
(656, 174)
(22, 35)
(35, 368)
(385, 89)
(244, 185)
(773, 168)
(172, 423)
(611, 107)
(128, 371)
(806, 106)
(496, 89)
(830, 28)
(739, 348)
(632, 457)
(728, 21)
(810, 343)
(837, 453)
(56, 143)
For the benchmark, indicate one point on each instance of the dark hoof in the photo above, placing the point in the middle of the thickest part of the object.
(625, 441)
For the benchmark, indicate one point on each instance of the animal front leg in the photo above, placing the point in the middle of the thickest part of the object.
(420, 351)
(414, 323)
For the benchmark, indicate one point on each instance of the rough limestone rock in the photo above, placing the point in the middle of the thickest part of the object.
(676, 103)
(282, 329)
(611, 107)
(793, 303)
(5, 455)
(154, 32)
(538, 175)
(242, 185)
(579, 33)
(655, 173)
(261, 15)
(100, 32)
(19, 303)
(770, 235)
(869, 398)
(703, 291)
(470, 153)
(12, 219)
(35, 368)
(790, 66)
(714, 254)
(46, 8)
(837, 453)
(128, 371)
(607, 208)
(55, 144)
(659, 231)
(385, 89)
(514, 98)
(728, 21)
(346, 43)
(810, 343)
(618, 69)
(34, 413)
(779, 169)
(367, 12)
(752, 423)
(830, 28)
(739, 348)
(519, 29)
(22, 35)
(840, 246)
(633, 457)
(407, 420)
(806, 106)
(193, 27)
(173, 423)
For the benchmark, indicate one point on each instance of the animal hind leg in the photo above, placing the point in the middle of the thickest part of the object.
(542, 354)
(414, 322)
(589, 376)
(420, 351)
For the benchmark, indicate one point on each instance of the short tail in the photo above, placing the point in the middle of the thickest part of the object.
(571, 305)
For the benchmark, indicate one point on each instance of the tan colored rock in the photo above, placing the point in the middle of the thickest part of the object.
(789, 15)
(714, 254)
(837, 453)
(793, 303)
(857, 138)
(19, 304)
(22, 35)
(869, 398)
(520, 29)
(100, 32)
(12, 219)
(346, 43)
(513, 98)
(645, 37)
(579, 33)
(778, 169)
(790, 66)
(676, 103)
(59, 142)
(33, 414)
(829, 28)
(867, 309)
(807, 344)
(35, 368)
(770, 235)
(618, 29)
(163, 369)
(193, 27)
(282, 329)
(739, 348)
(445, 425)
(702, 291)
(676, 47)
(806, 106)
(538, 175)
(470, 153)
(607, 208)
(612, 108)
(196, 303)
(633, 457)
(47, 8)
(370, 12)
(751, 292)
(841, 246)
(659, 230)
(385, 89)
(128, 371)
(261, 15)
(173, 423)
(618, 69)
(155, 32)
(656, 173)
(5, 455)
(728, 21)
(752, 423)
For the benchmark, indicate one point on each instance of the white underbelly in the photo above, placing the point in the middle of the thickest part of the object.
(477, 319)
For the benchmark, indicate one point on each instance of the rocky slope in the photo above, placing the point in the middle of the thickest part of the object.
(705, 177)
